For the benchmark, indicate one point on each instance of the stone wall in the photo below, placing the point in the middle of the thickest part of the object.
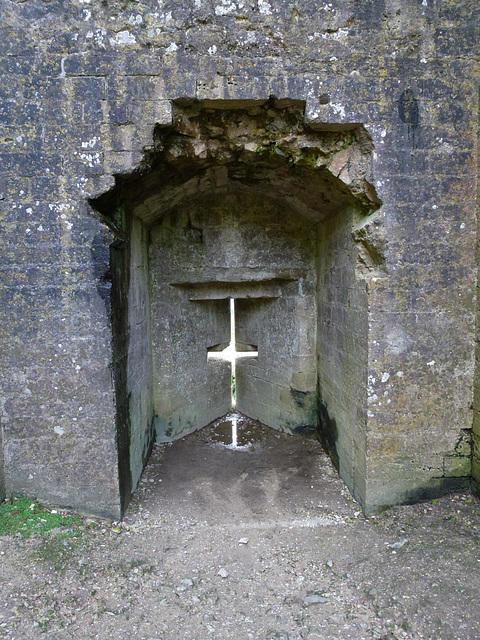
(85, 85)
(2, 474)
(476, 402)
(343, 349)
(233, 246)
(140, 374)
(190, 391)
(279, 387)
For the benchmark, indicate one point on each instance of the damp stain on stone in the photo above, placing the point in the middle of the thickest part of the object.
(100, 257)
(409, 113)
(328, 432)
(308, 431)
(408, 108)
(299, 397)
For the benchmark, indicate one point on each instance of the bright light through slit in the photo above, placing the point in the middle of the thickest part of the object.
(231, 356)
(234, 431)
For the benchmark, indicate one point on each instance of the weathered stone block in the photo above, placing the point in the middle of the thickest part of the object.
(457, 466)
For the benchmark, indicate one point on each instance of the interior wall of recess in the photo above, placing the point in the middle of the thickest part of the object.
(132, 360)
(252, 249)
(140, 374)
(189, 390)
(476, 388)
(279, 386)
(2, 474)
(342, 350)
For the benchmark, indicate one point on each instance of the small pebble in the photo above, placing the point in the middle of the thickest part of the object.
(186, 582)
(399, 544)
(314, 599)
(223, 573)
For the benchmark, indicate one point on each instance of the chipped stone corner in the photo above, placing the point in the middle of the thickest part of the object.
(459, 463)
(370, 239)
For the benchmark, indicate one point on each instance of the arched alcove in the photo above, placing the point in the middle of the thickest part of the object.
(243, 201)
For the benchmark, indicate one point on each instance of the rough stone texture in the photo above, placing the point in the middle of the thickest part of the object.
(2, 474)
(85, 84)
(232, 246)
(140, 383)
(343, 349)
(233, 199)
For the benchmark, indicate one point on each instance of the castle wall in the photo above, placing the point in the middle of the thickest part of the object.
(84, 84)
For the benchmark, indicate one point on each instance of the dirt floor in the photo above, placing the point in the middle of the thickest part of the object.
(261, 541)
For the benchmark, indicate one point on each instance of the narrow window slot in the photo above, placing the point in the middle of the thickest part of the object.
(231, 354)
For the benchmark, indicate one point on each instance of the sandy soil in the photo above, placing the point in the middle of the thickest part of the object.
(259, 542)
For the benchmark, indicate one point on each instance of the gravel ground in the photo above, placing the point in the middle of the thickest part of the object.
(262, 541)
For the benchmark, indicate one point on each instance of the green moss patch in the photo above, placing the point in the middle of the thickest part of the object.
(27, 518)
